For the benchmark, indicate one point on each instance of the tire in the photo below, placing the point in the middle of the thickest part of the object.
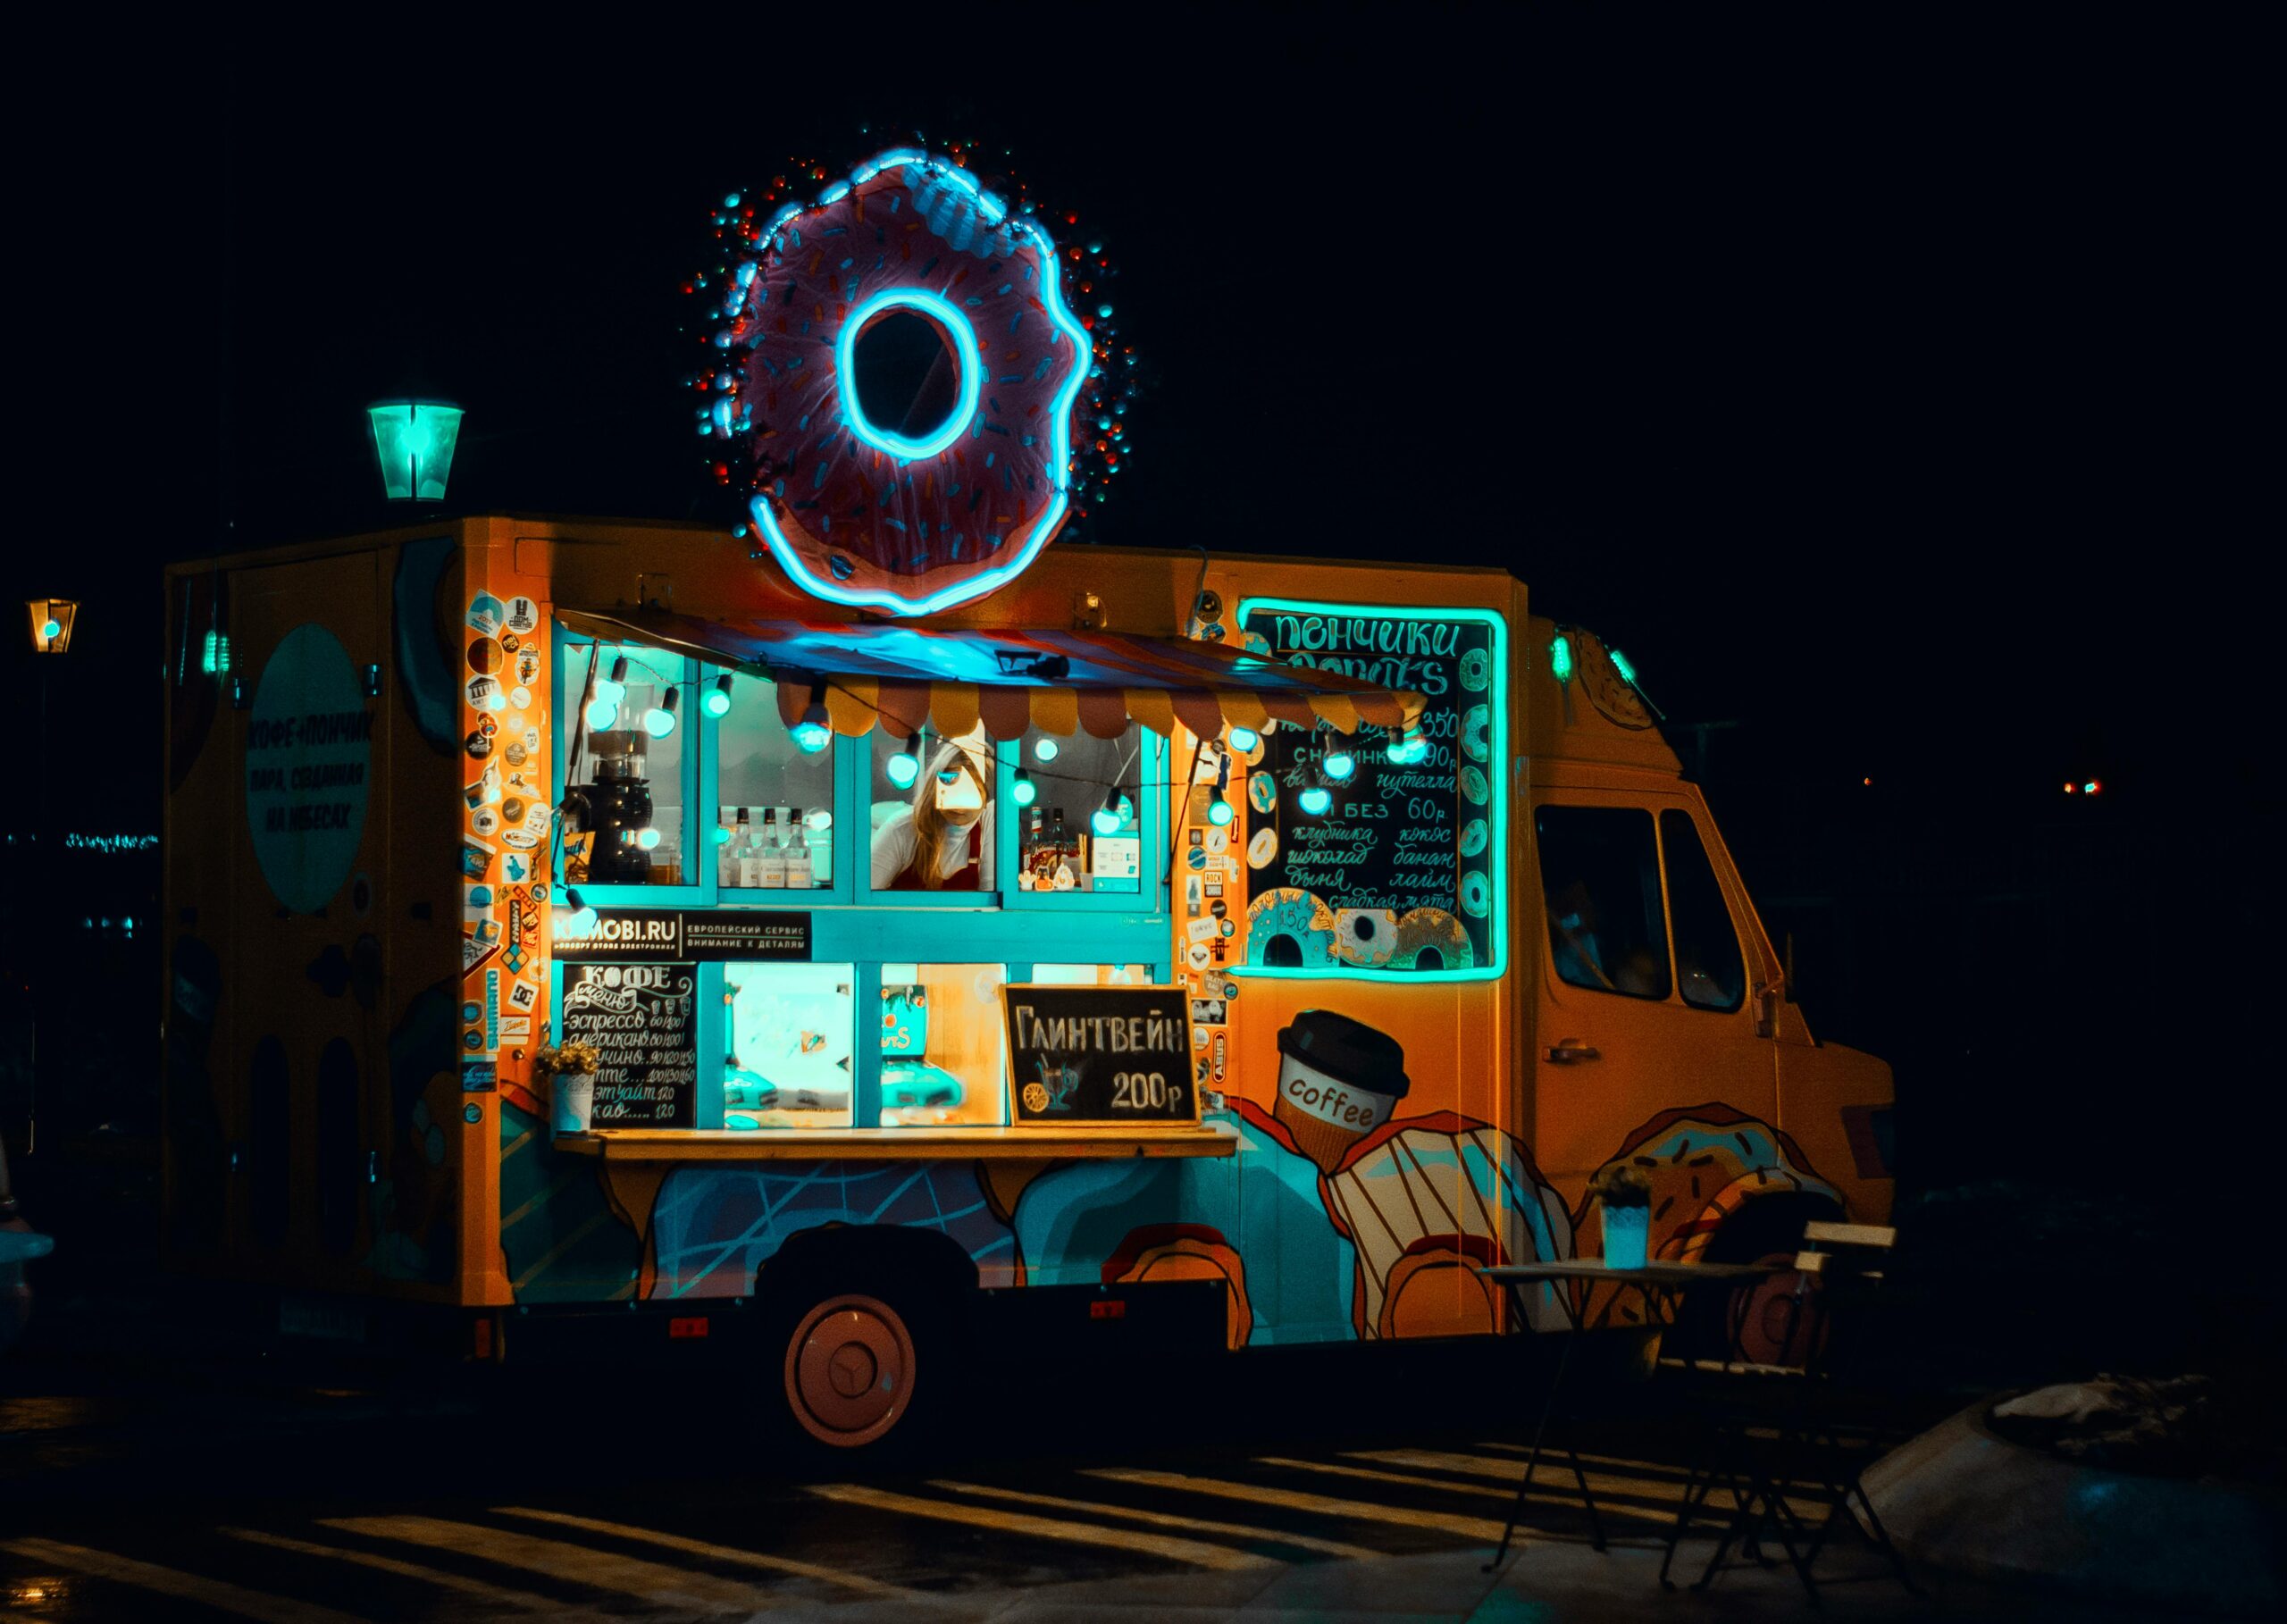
(868, 1360)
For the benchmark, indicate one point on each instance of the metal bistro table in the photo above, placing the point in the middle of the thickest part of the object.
(1663, 1285)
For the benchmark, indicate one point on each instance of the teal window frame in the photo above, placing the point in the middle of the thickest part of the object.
(1151, 808)
(698, 890)
(843, 892)
(1498, 920)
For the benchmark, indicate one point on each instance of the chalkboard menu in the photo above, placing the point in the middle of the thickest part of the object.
(643, 1020)
(1398, 876)
(1099, 1055)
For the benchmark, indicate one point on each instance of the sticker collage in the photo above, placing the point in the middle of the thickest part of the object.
(504, 840)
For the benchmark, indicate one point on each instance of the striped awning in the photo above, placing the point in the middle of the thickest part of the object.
(906, 677)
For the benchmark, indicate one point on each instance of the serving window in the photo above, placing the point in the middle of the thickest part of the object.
(943, 1045)
(790, 1060)
(774, 800)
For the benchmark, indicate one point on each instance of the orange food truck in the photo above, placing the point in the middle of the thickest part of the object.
(1309, 934)
(869, 925)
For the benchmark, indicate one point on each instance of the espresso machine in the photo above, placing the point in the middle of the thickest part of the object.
(616, 805)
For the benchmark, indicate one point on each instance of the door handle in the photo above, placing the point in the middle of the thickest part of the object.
(1565, 1050)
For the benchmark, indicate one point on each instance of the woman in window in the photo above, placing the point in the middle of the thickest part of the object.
(939, 842)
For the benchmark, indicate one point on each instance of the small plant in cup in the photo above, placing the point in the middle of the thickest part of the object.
(569, 1058)
(1623, 1195)
(573, 1098)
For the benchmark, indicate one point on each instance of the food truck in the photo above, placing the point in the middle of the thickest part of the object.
(971, 941)
(1196, 1015)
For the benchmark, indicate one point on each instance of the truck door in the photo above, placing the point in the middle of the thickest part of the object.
(1645, 991)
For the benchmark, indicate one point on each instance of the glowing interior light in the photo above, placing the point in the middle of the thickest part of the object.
(718, 702)
(1339, 764)
(648, 839)
(1620, 664)
(1105, 819)
(1315, 800)
(1026, 793)
(813, 732)
(1560, 658)
(905, 766)
(721, 836)
(1046, 748)
(659, 720)
(52, 628)
(217, 659)
(1219, 810)
(600, 713)
(1245, 739)
(968, 365)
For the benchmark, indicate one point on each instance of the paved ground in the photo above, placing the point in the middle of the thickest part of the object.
(205, 1496)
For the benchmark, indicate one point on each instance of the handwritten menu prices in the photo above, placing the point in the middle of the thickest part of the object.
(1099, 1055)
(1397, 874)
(643, 1020)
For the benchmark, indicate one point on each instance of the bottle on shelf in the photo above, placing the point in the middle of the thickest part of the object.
(750, 845)
(772, 862)
(802, 875)
(726, 854)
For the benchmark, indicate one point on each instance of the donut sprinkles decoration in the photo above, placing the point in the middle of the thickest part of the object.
(1292, 915)
(1437, 931)
(867, 514)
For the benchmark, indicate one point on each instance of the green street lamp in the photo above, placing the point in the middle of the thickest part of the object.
(52, 622)
(414, 442)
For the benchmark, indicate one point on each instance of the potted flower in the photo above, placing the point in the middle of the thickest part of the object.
(572, 1066)
(1624, 1196)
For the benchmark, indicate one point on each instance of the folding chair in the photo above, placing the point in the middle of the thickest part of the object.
(1808, 1431)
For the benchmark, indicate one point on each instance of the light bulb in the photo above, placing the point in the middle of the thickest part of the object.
(1339, 763)
(1219, 810)
(820, 819)
(721, 836)
(1315, 800)
(718, 702)
(1046, 748)
(659, 720)
(600, 713)
(1026, 793)
(648, 839)
(1560, 660)
(905, 766)
(613, 689)
(1105, 819)
(1245, 739)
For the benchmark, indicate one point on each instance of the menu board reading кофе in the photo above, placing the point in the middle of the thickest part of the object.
(1397, 876)
(643, 1020)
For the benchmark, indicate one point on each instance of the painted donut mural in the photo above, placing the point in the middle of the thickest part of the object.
(909, 502)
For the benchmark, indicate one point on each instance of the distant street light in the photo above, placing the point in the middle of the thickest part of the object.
(51, 619)
(414, 442)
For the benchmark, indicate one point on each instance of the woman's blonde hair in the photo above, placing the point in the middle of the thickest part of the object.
(929, 823)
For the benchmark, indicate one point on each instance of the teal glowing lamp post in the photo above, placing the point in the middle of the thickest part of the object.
(414, 442)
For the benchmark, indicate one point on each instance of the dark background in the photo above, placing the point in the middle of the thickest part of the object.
(1887, 390)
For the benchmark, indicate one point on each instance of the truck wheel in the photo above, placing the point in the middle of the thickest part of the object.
(866, 1365)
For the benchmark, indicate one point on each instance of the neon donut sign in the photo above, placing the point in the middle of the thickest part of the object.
(861, 512)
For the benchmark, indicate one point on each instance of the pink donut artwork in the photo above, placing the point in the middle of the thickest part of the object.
(890, 516)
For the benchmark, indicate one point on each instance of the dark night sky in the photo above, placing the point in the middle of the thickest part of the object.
(1886, 387)
(1877, 388)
